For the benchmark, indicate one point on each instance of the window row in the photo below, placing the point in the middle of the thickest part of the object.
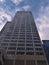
(21, 44)
(27, 53)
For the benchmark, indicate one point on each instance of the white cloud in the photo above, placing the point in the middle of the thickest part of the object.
(18, 9)
(3, 18)
(2, 0)
(4, 14)
(16, 1)
(43, 22)
(26, 7)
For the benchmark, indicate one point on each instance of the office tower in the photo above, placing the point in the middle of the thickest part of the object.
(21, 42)
(46, 48)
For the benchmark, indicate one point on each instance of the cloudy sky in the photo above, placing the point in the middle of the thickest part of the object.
(39, 8)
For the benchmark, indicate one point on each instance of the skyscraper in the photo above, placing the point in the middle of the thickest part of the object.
(46, 48)
(21, 42)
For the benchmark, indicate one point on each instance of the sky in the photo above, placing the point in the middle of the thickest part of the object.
(39, 9)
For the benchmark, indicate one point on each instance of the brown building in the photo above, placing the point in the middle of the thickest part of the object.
(21, 42)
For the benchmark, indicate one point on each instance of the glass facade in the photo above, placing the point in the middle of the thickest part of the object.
(21, 40)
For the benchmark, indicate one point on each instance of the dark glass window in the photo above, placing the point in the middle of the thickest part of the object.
(21, 44)
(36, 38)
(21, 41)
(37, 41)
(37, 44)
(28, 41)
(41, 62)
(7, 37)
(38, 49)
(13, 40)
(29, 36)
(6, 40)
(29, 44)
(39, 53)
(29, 48)
(15, 37)
(4, 44)
(12, 44)
(29, 53)
(12, 48)
(20, 48)
(30, 62)
(11, 52)
(22, 35)
(20, 53)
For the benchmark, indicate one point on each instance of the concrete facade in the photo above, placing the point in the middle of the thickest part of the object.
(21, 41)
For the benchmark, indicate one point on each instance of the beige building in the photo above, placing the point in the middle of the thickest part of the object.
(20, 42)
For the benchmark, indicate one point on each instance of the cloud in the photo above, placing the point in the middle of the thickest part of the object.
(4, 14)
(26, 7)
(16, 1)
(18, 9)
(42, 22)
(3, 18)
(2, 0)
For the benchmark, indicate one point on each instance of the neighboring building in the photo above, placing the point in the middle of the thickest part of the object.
(21, 41)
(46, 48)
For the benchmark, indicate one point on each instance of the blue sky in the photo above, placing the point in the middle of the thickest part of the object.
(39, 8)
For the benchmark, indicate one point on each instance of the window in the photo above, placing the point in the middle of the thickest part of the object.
(4, 44)
(7, 37)
(28, 36)
(16, 33)
(21, 44)
(12, 48)
(29, 48)
(19, 62)
(37, 41)
(22, 36)
(13, 40)
(5, 48)
(29, 44)
(39, 53)
(29, 53)
(15, 37)
(21, 41)
(41, 62)
(38, 49)
(20, 48)
(12, 44)
(20, 53)
(36, 38)
(8, 62)
(37, 44)
(35, 35)
(11, 52)
(29, 41)
(22, 29)
(22, 33)
(6, 40)
(30, 62)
